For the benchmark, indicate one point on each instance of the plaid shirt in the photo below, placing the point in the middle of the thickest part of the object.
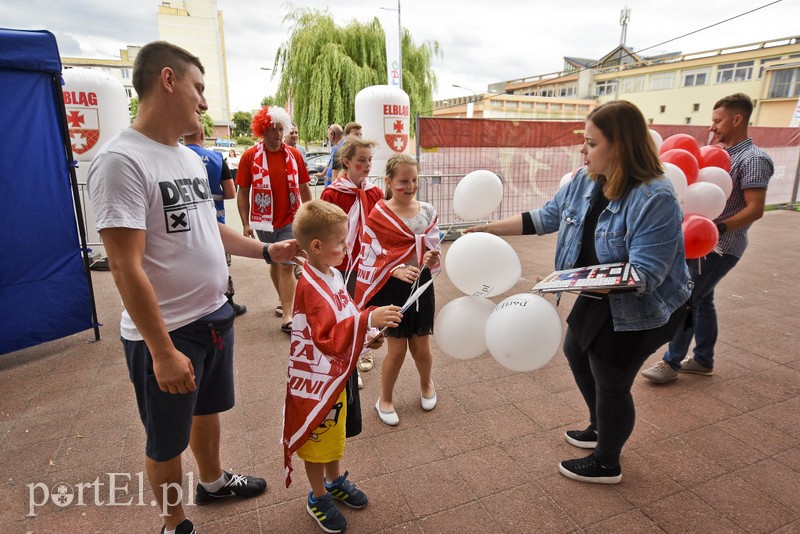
(751, 168)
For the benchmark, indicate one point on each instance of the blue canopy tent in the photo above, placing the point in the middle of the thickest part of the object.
(45, 286)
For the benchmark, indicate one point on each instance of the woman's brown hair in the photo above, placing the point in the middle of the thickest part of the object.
(634, 158)
(348, 149)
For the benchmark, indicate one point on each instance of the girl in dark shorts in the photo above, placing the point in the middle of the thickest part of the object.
(407, 231)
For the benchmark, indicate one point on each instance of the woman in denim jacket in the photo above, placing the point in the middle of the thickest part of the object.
(619, 207)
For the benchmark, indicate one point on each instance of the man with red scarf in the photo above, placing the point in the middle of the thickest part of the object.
(273, 181)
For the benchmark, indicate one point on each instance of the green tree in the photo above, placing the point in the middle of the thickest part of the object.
(241, 123)
(269, 101)
(133, 106)
(208, 124)
(323, 66)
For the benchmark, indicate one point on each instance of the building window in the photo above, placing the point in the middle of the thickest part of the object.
(695, 107)
(693, 77)
(662, 109)
(129, 93)
(662, 81)
(785, 83)
(525, 105)
(496, 103)
(634, 84)
(649, 121)
(541, 105)
(763, 63)
(735, 72)
(126, 74)
(606, 87)
(566, 91)
(688, 120)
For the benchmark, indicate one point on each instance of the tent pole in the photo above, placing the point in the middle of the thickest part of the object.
(76, 198)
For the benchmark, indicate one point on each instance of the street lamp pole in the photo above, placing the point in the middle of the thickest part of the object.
(470, 105)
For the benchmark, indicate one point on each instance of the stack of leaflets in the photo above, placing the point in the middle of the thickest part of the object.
(608, 276)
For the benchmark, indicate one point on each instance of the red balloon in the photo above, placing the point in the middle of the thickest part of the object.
(685, 161)
(684, 142)
(714, 156)
(700, 236)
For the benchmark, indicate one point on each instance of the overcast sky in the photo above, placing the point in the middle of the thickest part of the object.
(482, 41)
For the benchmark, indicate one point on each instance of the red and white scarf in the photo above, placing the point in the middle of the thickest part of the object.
(328, 335)
(388, 243)
(357, 215)
(261, 200)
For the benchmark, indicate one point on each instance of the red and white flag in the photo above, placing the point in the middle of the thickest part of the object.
(328, 334)
(387, 242)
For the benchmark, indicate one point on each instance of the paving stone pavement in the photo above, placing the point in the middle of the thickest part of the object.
(709, 454)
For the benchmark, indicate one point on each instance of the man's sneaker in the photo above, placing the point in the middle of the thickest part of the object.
(236, 486)
(184, 527)
(325, 512)
(690, 365)
(239, 309)
(345, 491)
(585, 439)
(660, 373)
(589, 470)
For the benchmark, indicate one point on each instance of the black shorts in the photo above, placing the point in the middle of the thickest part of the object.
(167, 417)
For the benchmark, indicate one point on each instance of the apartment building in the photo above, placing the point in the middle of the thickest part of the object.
(675, 88)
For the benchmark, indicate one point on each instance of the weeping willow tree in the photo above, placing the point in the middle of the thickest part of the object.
(323, 66)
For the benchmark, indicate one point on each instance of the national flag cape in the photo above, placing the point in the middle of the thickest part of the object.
(328, 334)
(364, 199)
(388, 243)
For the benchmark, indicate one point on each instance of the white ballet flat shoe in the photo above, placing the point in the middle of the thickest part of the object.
(390, 418)
(428, 404)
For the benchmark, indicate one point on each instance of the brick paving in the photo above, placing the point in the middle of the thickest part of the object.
(709, 454)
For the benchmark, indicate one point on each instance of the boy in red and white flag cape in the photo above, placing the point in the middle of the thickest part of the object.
(328, 335)
(387, 244)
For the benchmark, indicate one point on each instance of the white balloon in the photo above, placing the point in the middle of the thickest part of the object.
(460, 327)
(477, 195)
(717, 176)
(482, 265)
(657, 139)
(565, 179)
(704, 198)
(678, 179)
(523, 332)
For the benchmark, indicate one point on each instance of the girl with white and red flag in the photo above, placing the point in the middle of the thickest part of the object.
(399, 249)
(356, 195)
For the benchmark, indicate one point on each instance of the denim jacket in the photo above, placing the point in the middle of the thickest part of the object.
(643, 228)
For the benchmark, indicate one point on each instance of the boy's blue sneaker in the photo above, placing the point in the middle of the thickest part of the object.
(325, 512)
(345, 491)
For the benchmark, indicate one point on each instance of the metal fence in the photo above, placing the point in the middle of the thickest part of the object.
(531, 157)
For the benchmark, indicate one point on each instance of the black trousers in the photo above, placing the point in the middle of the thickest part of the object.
(604, 364)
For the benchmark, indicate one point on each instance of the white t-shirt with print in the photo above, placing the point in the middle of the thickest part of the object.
(135, 182)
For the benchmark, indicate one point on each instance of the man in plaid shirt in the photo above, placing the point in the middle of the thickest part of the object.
(751, 169)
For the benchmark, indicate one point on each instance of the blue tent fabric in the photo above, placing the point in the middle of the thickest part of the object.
(45, 292)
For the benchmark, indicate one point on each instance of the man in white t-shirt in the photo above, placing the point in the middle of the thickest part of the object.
(156, 216)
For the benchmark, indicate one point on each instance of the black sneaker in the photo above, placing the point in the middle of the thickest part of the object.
(585, 439)
(589, 470)
(345, 491)
(184, 527)
(239, 309)
(325, 512)
(236, 486)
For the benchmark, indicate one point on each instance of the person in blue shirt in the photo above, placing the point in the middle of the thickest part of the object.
(220, 180)
(617, 208)
(751, 170)
(335, 138)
